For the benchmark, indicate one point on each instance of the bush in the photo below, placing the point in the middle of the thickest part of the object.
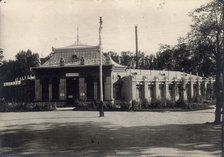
(43, 106)
(23, 107)
(3, 106)
(157, 104)
(136, 105)
(125, 106)
(197, 99)
(181, 103)
(170, 104)
(77, 103)
(94, 106)
(145, 103)
(121, 105)
(109, 106)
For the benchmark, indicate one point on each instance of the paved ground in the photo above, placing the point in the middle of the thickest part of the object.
(73, 133)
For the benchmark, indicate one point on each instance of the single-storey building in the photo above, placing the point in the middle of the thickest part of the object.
(72, 72)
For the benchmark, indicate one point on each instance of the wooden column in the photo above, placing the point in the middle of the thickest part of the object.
(107, 89)
(82, 89)
(111, 87)
(38, 90)
(50, 90)
(62, 89)
(95, 89)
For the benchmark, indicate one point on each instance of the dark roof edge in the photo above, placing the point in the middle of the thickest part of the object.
(74, 47)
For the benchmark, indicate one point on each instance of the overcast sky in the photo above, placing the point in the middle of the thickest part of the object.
(40, 24)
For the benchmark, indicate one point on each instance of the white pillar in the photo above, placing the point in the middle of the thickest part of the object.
(166, 91)
(191, 89)
(146, 90)
(175, 91)
(204, 88)
(134, 89)
(198, 88)
(156, 89)
(184, 94)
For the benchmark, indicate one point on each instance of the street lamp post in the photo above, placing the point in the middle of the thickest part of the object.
(101, 69)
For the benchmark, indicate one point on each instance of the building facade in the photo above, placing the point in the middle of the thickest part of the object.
(72, 73)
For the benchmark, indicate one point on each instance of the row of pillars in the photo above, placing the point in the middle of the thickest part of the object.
(183, 90)
(108, 90)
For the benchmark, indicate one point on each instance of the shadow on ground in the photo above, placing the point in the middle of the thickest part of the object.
(100, 139)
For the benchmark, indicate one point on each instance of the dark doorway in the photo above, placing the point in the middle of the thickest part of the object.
(45, 89)
(117, 87)
(90, 88)
(55, 89)
(140, 93)
(72, 88)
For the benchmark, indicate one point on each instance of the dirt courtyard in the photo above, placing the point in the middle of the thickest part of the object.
(77, 133)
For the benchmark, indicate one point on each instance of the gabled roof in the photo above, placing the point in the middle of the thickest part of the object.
(78, 55)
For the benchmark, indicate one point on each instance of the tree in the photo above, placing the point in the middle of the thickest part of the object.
(114, 56)
(165, 58)
(19, 67)
(207, 31)
(26, 60)
(1, 56)
(126, 58)
(150, 62)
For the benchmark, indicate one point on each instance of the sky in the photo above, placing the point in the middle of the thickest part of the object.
(40, 24)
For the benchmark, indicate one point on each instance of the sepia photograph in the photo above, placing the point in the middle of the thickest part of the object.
(107, 78)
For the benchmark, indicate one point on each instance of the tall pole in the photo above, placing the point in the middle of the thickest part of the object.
(101, 69)
(136, 45)
(77, 40)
